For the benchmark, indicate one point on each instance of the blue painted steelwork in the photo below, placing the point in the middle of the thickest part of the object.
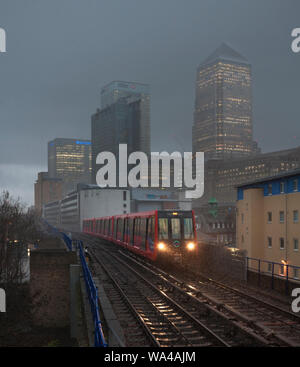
(240, 193)
(90, 286)
(289, 182)
(93, 299)
(67, 240)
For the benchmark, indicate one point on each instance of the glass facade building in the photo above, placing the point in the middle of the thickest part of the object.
(70, 159)
(124, 118)
(133, 92)
(223, 106)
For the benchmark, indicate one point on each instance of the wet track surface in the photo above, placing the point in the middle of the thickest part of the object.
(178, 308)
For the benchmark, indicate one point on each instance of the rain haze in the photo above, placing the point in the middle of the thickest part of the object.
(61, 52)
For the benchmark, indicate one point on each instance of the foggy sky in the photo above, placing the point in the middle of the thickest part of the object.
(61, 52)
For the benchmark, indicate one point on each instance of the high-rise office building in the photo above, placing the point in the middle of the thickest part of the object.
(134, 93)
(70, 159)
(124, 118)
(223, 106)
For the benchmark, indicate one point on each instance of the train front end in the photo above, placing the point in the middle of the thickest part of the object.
(176, 236)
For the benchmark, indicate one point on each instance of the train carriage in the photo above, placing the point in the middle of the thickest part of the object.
(157, 234)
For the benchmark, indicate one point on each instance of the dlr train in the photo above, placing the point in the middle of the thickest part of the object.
(157, 234)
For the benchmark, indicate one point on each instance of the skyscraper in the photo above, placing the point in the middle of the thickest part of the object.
(133, 92)
(124, 118)
(223, 106)
(70, 159)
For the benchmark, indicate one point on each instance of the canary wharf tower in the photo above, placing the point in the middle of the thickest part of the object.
(223, 106)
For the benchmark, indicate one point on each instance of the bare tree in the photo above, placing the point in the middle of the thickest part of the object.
(17, 228)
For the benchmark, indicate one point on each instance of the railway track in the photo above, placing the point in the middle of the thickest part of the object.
(277, 326)
(164, 320)
(168, 317)
(236, 318)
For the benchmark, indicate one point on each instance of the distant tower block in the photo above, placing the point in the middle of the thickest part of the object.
(223, 106)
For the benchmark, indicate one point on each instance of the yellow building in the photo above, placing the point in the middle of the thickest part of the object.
(267, 224)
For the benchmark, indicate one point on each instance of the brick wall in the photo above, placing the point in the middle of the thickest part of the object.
(49, 286)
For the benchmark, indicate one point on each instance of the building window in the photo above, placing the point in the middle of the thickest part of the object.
(270, 189)
(124, 195)
(295, 185)
(281, 216)
(281, 243)
(281, 270)
(269, 217)
(242, 239)
(270, 242)
(282, 187)
(295, 216)
(269, 267)
(242, 216)
(296, 273)
(296, 244)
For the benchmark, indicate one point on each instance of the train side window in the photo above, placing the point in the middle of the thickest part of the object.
(120, 229)
(150, 231)
(163, 228)
(143, 233)
(136, 230)
(130, 231)
(115, 228)
(118, 224)
(175, 228)
(188, 228)
(126, 228)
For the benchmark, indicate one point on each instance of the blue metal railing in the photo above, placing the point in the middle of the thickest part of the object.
(54, 231)
(67, 240)
(91, 289)
(93, 299)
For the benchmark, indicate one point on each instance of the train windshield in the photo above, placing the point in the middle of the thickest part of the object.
(188, 228)
(163, 228)
(175, 229)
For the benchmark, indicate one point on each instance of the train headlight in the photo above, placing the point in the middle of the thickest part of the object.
(191, 246)
(161, 246)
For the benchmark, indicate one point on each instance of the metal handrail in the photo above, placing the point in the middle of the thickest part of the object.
(93, 299)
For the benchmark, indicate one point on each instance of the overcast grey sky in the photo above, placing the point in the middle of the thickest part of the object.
(60, 53)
